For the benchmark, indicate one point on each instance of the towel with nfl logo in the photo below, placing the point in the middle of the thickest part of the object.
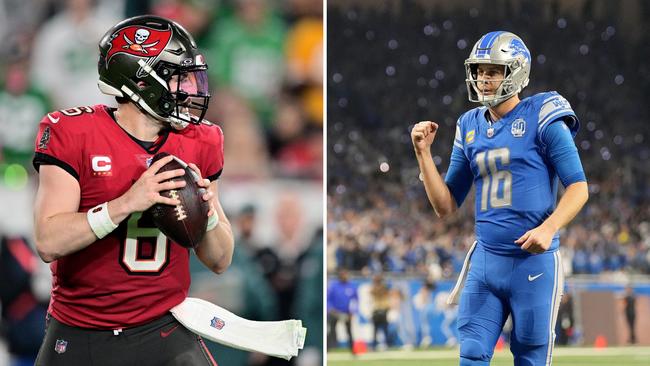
(280, 339)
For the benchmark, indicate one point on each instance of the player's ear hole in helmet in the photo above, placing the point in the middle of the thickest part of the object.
(154, 63)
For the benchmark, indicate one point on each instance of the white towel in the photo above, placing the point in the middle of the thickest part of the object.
(460, 282)
(280, 339)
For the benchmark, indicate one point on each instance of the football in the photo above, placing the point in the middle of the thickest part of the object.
(186, 223)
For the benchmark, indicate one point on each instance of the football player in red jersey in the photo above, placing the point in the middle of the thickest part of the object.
(115, 276)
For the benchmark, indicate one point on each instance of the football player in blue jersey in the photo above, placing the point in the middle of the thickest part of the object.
(515, 151)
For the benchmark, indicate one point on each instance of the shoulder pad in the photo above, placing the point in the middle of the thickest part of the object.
(69, 114)
(552, 106)
(464, 126)
(78, 111)
(201, 130)
(472, 114)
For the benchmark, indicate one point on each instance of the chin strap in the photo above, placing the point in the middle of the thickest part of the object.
(178, 124)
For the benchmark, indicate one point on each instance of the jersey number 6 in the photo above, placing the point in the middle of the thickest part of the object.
(145, 250)
(493, 178)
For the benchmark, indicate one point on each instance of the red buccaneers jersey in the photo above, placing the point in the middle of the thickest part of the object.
(135, 274)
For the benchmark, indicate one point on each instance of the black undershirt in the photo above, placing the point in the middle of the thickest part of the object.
(147, 145)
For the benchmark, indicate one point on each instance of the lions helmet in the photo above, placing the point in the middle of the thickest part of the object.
(139, 57)
(498, 48)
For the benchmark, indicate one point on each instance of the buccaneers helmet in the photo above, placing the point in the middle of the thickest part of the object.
(498, 48)
(154, 63)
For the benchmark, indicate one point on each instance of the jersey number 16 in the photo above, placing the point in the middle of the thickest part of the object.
(493, 178)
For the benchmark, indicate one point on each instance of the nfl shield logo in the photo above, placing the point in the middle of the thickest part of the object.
(518, 127)
(217, 323)
(60, 346)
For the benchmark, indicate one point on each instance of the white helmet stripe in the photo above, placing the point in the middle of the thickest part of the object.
(486, 42)
(145, 66)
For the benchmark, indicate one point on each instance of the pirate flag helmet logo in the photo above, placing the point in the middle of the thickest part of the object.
(139, 41)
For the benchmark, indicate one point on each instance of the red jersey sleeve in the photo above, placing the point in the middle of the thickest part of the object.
(57, 144)
(212, 153)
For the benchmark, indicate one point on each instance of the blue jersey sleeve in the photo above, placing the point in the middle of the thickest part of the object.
(459, 177)
(562, 152)
(553, 107)
(330, 297)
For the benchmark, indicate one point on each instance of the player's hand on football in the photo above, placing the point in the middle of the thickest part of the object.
(145, 192)
(537, 240)
(422, 135)
(204, 183)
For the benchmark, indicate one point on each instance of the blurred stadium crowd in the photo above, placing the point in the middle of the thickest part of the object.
(266, 73)
(265, 62)
(392, 63)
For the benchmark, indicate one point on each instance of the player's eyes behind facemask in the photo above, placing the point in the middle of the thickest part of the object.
(189, 84)
(190, 90)
(492, 72)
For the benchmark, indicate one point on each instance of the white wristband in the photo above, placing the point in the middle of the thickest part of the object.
(100, 221)
(213, 221)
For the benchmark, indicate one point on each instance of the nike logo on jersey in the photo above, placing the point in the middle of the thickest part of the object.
(533, 278)
(52, 119)
(165, 334)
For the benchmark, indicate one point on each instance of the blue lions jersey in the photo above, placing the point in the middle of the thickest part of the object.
(516, 184)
